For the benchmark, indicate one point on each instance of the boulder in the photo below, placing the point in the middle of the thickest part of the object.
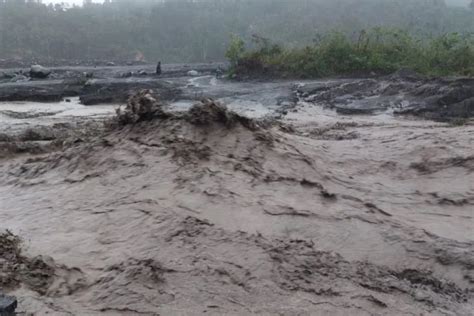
(40, 72)
(193, 73)
(8, 305)
(127, 74)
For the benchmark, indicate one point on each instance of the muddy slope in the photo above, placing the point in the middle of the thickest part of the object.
(210, 213)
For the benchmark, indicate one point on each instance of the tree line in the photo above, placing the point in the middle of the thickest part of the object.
(194, 31)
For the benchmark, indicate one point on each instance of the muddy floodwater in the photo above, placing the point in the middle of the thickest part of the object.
(243, 98)
(17, 116)
(327, 197)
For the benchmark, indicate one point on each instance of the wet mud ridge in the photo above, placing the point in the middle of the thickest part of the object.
(210, 212)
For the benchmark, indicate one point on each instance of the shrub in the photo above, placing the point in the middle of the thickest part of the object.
(377, 50)
(235, 50)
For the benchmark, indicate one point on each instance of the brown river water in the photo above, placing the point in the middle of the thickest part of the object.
(320, 214)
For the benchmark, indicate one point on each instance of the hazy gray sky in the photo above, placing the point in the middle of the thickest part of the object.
(67, 1)
(455, 2)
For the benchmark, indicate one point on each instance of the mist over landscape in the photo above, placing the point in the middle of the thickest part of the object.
(188, 31)
(237, 157)
(80, 2)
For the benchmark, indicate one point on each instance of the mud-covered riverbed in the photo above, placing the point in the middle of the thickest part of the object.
(307, 211)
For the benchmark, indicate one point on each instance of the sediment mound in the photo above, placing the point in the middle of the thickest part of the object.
(144, 121)
(144, 107)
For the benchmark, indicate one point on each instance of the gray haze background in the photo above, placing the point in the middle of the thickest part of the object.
(195, 31)
(79, 2)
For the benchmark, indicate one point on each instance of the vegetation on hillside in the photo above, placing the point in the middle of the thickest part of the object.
(378, 50)
(191, 31)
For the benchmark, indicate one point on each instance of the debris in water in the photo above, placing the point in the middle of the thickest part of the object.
(140, 107)
(18, 269)
(209, 111)
(39, 274)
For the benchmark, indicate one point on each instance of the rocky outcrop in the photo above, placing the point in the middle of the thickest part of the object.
(404, 93)
(39, 72)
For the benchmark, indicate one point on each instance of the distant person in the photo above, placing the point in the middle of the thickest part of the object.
(219, 72)
(158, 68)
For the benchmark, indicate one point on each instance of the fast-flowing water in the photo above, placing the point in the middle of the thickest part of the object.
(326, 213)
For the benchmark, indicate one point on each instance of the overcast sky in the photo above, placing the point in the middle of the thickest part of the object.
(67, 1)
(457, 2)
